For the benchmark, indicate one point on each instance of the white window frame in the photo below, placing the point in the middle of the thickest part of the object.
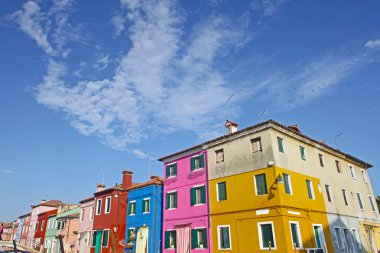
(321, 160)
(311, 189)
(171, 230)
(373, 205)
(304, 153)
(364, 175)
(323, 234)
(229, 235)
(283, 145)
(81, 214)
(351, 168)
(261, 237)
(134, 210)
(148, 205)
(217, 190)
(172, 165)
(170, 202)
(199, 187)
(197, 229)
(298, 233)
(254, 179)
(108, 199)
(343, 240)
(88, 235)
(290, 183)
(356, 238)
(361, 200)
(345, 197)
(98, 209)
(108, 238)
(199, 156)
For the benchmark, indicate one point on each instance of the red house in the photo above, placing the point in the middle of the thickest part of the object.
(109, 219)
(42, 219)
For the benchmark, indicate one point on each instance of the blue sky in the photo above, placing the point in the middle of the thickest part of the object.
(90, 88)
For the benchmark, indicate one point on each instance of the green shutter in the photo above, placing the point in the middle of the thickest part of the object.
(175, 200)
(129, 208)
(194, 239)
(261, 184)
(203, 194)
(144, 206)
(222, 192)
(167, 170)
(192, 163)
(226, 237)
(167, 240)
(266, 231)
(280, 145)
(202, 161)
(167, 201)
(175, 169)
(205, 238)
(192, 196)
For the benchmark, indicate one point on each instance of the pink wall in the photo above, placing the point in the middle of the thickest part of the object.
(196, 216)
(85, 226)
(34, 217)
(70, 235)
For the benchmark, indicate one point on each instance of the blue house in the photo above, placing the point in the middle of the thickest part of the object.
(144, 217)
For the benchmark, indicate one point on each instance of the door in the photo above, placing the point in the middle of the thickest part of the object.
(98, 241)
(319, 237)
(142, 240)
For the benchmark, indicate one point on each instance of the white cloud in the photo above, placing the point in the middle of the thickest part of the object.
(373, 44)
(140, 154)
(118, 22)
(267, 7)
(7, 171)
(102, 62)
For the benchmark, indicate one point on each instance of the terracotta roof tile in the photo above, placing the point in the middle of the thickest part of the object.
(87, 199)
(154, 180)
(52, 203)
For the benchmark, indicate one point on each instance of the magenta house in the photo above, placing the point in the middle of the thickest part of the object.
(185, 203)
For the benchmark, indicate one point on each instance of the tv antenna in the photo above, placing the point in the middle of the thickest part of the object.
(336, 137)
(150, 164)
(262, 115)
(229, 106)
(102, 174)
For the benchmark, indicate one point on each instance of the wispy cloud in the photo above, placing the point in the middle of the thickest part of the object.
(267, 7)
(140, 154)
(7, 171)
(102, 61)
(373, 44)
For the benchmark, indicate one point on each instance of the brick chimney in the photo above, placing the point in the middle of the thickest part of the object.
(100, 187)
(127, 179)
(232, 127)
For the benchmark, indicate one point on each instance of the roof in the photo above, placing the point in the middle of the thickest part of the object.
(52, 203)
(269, 123)
(118, 187)
(154, 180)
(24, 215)
(69, 216)
(87, 199)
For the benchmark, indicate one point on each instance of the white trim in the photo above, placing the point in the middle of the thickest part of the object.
(134, 210)
(351, 168)
(344, 192)
(323, 233)
(262, 212)
(105, 206)
(364, 175)
(254, 179)
(361, 200)
(97, 208)
(171, 191)
(229, 234)
(372, 204)
(298, 233)
(293, 212)
(171, 164)
(92, 209)
(261, 237)
(199, 187)
(311, 188)
(108, 237)
(356, 236)
(283, 145)
(304, 152)
(166, 195)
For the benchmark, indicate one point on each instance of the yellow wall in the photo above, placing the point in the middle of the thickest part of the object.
(239, 211)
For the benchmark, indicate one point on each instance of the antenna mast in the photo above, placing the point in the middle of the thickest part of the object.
(262, 115)
(229, 106)
(336, 136)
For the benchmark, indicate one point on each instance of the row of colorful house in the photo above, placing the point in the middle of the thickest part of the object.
(267, 187)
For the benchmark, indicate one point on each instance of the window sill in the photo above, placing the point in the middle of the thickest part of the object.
(131, 214)
(146, 212)
(171, 176)
(171, 209)
(197, 169)
(201, 204)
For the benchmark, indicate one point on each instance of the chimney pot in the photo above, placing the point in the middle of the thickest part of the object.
(100, 187)
(127, 178)
(232, 127)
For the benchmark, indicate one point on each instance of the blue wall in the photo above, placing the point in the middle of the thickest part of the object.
(19, 229)
(153, 219)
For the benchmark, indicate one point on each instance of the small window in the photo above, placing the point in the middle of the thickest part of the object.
(170, 239)
(357, 242)
(171, 200)
(280, 143)
(98, 206)
(321, 160)
(338, 168)
(302, 152)
(81, 214)
(199, 238)
(132, 208)
(171, 170)
(364, 175)
(146, 205)
(108, 205)
(256, 145)
(224, 237)
(92, 213)
(198, 195)
(42, 225)
(345, 197)
(219, 154)
(371, 202)
(221, 191)
(339, 237)
(105, 238)
(131, 234)
(266, 236)
(360, 201)
(328, 193)
(197, 162)
(36, 226)
(296, 234)
(352, 171)
(310, 189)
(260, 184)
(288, 184)
(94, 233)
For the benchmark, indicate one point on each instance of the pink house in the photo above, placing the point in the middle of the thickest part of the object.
(42, 207)
(185, 203)
(67, 227)
(86, 221)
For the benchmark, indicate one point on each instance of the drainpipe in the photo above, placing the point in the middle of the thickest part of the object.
(208, 201)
